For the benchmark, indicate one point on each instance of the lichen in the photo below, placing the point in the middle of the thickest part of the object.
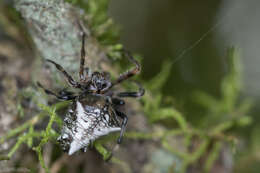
(56, 33)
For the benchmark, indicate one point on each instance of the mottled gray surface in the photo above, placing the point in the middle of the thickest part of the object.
(54, 28)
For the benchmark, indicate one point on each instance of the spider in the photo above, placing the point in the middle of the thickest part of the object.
(94, 110)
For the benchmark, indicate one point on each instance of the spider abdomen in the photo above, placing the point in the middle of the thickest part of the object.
(89, 117)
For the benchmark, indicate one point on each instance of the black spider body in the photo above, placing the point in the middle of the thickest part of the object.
(94, 111)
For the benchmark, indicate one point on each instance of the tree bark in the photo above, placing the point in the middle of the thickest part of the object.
(56, 29)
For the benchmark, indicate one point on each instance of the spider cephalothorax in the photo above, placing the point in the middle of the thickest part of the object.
(93, 112)
(99, 83)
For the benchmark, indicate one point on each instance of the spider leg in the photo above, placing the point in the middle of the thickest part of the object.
(118, 102)
(87, 72)
(69, 94)
(123, 126)
(139, 93)
(63, 95)
(83, 76)
(129, 73)
(70, 80)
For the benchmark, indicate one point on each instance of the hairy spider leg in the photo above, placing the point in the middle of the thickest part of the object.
(83, 77)
(63, 95)
(70, 80)
(139, 93)
(123, 126)
(128, 73)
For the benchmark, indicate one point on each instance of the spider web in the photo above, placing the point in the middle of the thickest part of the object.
(201, 38)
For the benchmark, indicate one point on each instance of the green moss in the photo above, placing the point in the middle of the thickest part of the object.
(102, 26)
(103, 151)
(213, 156)
(222, 114)
(26, 134)
(227, 111)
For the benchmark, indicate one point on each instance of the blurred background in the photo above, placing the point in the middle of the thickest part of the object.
(210, 49)
(163, 30)
(200, 32)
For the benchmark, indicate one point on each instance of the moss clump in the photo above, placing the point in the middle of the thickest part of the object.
(222, 114)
